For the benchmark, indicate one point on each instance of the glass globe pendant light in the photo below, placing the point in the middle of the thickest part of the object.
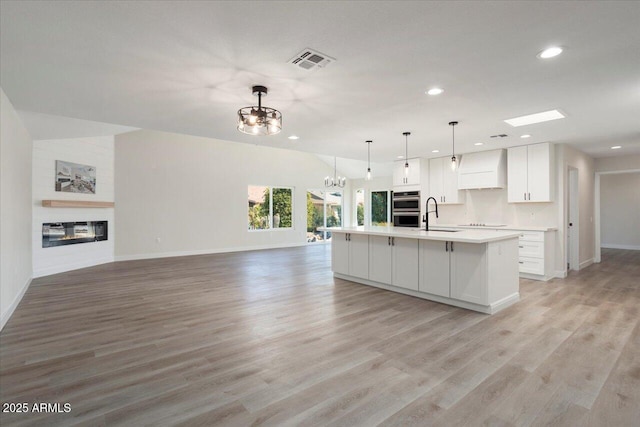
(454, 161)
(368, 177)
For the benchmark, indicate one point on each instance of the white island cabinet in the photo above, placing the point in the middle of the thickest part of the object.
(394, 260)
(349, 254)
(473, 269)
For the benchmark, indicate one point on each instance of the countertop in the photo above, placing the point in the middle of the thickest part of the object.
(463, 236)
(508, 227)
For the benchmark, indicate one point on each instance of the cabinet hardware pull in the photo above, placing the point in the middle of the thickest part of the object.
(393, 241)
(525, 196)
(521, 247)
(389, 240)
(446, 247)
(520, 262)
(451, 246)
(529, 196)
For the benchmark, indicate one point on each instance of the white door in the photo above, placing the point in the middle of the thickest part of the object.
(414, 172)
(434, 268)
(339, 253)
(435, 180)
(469, 272)
(380, 259)
(538, 173)
(405, 263)
(359, 255)
(517, 174)
(398, 173)
(573, 226)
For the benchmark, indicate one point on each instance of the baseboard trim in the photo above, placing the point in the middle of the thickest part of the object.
(560, 274)
(614, 246)
(14, 304)
(486, 309)
(70, 267)
(585, 264)
(205, 252)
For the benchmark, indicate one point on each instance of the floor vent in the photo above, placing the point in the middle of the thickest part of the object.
(310, 59)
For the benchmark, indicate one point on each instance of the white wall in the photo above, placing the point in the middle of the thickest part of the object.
(96, 151)
(179, 194)
(620, 211)
(618, 163)
(15, 209)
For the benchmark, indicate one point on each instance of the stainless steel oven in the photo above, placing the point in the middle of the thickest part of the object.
(406, 209)
(406, 201)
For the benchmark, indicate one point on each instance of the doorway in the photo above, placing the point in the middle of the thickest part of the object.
(573, 223)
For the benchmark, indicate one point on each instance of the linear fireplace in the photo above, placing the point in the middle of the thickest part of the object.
(71, 233)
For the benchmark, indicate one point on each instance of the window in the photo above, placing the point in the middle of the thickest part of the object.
(360, 206)
(379, 208)
(270, 207)
(323, 210)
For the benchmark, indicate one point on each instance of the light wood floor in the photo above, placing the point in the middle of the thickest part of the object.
(270, 338)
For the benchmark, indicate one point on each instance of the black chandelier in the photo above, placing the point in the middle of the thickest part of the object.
(259, 120)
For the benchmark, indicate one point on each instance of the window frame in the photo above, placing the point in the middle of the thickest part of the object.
(271, 228)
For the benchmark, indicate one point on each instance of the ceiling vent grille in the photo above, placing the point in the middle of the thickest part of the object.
(310, 59)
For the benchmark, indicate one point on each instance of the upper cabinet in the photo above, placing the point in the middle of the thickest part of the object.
(412, 178)
(529, 173)
(443, 182)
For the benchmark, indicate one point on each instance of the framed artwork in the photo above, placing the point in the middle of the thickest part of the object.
(75, 178)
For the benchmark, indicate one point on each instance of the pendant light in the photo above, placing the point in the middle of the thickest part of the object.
(259, 120)
(368, 177)
(454, 161)
(406, 153)
(336, 181)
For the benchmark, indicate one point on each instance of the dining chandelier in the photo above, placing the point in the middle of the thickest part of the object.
(335, 181)
(259, 120)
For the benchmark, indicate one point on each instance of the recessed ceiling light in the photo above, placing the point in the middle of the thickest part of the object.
(294, 137)
(400, 157)
(525, 136)
(435, 151)
(435, 91)
(479, 143)
(615, 147)
(530, 119)
(550, 52)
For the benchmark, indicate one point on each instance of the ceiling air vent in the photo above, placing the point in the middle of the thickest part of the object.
(310, 59)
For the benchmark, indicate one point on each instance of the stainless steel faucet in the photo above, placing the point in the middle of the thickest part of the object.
(426, 216)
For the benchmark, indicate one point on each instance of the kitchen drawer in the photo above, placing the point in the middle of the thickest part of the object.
(531, 265)
(532, 236)
(531, 249)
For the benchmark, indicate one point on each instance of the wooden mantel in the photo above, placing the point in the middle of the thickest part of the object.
(76, 204)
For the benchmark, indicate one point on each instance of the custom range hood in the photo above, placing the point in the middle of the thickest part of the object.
(487, 169)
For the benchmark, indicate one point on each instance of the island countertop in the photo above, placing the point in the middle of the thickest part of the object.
(459, 235)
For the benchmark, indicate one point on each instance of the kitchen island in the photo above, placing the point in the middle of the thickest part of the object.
(472, 269)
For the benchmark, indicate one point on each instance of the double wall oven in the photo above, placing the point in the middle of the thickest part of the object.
(406, 209)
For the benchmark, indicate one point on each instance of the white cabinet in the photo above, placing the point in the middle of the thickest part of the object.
(529, 173)
(468, 272)
(434, 268)
(412, 178)
(535, 250)
(443, 182)
(350, 254)
(455, 270)
(394, 261)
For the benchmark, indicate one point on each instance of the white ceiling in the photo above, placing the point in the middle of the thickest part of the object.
(46, 126)
(187, 67)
